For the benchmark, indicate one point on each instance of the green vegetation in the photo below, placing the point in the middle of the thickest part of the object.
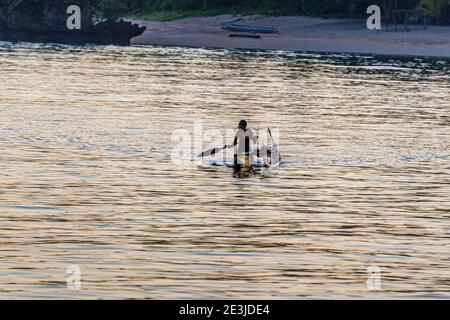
(173, 15)
(439, 10)
(173, 9)
(167, 10)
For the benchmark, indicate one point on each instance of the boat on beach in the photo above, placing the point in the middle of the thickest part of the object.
(238, 35)
(240, 28)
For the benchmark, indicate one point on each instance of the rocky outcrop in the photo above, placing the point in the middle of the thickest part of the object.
(105, 32)
(48, 21)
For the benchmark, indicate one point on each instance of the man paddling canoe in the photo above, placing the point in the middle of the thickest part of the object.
(243, 155)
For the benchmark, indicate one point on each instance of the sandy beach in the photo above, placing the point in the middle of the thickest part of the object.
(300, 34)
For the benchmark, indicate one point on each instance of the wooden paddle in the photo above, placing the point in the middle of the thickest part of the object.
(211, 152)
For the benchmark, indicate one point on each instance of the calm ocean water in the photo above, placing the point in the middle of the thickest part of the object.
(87, 178)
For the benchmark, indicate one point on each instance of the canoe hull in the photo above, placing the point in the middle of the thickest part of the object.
(241, 28)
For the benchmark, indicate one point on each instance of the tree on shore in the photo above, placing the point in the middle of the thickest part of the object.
(438, 9)
(36, 13)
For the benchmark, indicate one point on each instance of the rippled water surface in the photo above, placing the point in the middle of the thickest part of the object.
(87, 178)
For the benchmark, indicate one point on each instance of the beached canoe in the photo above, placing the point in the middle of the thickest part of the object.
(241, 28)
(251, 36)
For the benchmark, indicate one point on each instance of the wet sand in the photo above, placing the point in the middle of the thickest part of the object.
(300, 34)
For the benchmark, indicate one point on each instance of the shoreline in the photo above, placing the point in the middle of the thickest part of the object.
(307, 34)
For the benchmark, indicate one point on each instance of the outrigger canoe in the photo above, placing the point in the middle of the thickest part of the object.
(271, 156)
(240, 169)
(241, 28)
(272, 162)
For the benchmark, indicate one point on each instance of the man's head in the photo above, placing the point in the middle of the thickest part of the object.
(242, 125)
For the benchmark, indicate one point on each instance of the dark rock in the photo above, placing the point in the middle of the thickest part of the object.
(103, 33)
